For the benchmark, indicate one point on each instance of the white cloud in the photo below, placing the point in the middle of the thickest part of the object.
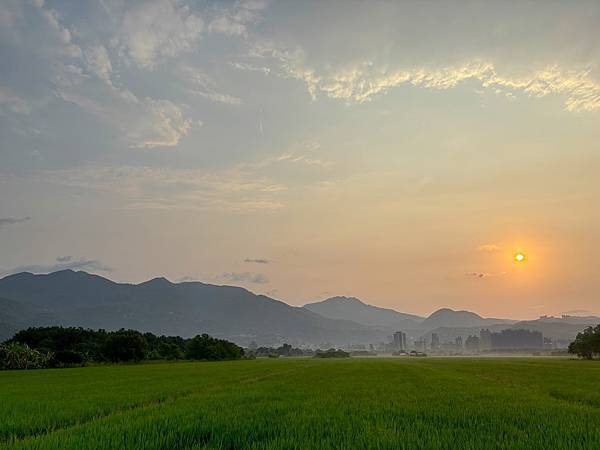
(98, 62)
(361, 82)
(204, 86)
(61, 33)
(233, 21)
(144, 122)
(152, 31)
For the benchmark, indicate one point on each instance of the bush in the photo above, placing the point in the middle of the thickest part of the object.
(15, 356)
(332, 353)
(587, 343)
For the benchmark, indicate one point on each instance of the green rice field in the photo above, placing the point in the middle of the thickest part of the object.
(306, 403)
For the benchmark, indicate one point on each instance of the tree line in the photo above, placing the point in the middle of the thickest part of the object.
(42, 347)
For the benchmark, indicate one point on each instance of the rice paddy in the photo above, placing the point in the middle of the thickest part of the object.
(305, 403)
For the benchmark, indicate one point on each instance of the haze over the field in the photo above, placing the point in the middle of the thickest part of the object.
(400, 153)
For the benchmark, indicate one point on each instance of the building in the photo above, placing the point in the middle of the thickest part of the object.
(435, 342)
(459, 343)
(485, 340)
(472, 344)
(421, 345)
(400, 341)
(517, 340)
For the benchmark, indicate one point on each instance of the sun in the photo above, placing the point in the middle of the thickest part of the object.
(519, 257)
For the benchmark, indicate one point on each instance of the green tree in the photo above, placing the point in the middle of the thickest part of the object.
(587, 344)
(212, 349)
(125, 345)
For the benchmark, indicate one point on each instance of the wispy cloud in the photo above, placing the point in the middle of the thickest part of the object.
(232, 190)
(484, 274)
(11, 102)
(62, 263)
(143, 122)
(234, 20)
(257, 260)
(577, 311)
(244, 277)
(488, 248)
(361, 82)
(204, 86)
(12, 220)
(186, 279)
(154, 30)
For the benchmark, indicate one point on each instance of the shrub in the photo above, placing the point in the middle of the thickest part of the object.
(332, 353)
(15, 356)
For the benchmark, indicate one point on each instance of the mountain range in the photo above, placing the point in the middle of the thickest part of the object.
(72, 298)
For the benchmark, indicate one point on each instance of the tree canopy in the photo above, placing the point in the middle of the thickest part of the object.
(70, 346)
(587, 343)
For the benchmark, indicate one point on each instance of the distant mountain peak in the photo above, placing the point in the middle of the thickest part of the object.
(157, 282)
(448, 311)
(355, 310)
(344, 299)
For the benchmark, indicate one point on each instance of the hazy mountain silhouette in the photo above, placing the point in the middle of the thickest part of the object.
(351, 308)
(186, 309)
(159, 306)
(449, 318)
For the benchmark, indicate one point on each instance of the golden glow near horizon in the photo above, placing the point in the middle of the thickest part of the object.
(407, 170)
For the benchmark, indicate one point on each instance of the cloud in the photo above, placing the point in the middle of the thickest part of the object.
(65, 64)
(488, 248)
(361, 82)
(10, 102)
(233, 21)
(244, 277)
(296, 158)
(98, 62)
(484, 274)
(257, 260)
(12, 220)
(300, 153)
(577, 311)
(152, 31)
(250, 67)
(231, 190)
(62, 263)
(143, 122)
(186, 279)
(61, 34)
(204, 86)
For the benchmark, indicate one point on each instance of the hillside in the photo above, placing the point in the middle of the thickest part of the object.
(351, 308)
(449, 318)
(80, 299)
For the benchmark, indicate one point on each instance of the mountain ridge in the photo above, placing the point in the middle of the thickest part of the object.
(77, 298)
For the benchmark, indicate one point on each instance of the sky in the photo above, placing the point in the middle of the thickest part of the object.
(399, 152)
